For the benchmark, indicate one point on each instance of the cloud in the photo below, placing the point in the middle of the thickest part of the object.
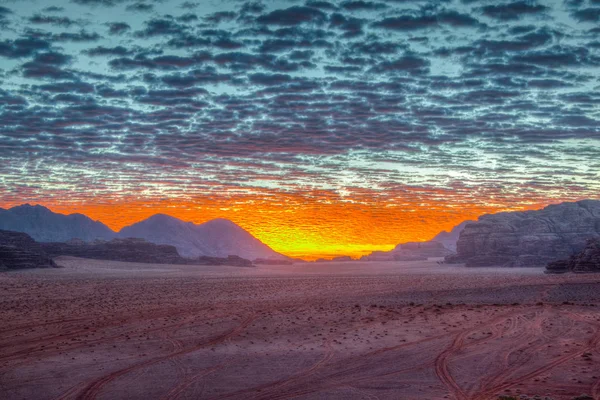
(360, 5)
(22, 47)
(51, 20)
(293, 16)
(591, 14)
(513, 11)
(118, 28)
(108, 51)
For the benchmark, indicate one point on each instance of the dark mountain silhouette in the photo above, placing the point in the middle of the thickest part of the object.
(215, 238)
(44, 225)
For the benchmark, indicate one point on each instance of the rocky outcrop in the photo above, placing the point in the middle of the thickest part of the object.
(130, 250)
(588, 260)
(136, 250)
(44, 225)
(19, 251)
(449, 239)
(528, 238)
(411, 251)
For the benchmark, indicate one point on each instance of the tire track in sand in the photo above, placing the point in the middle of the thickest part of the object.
(94, 388)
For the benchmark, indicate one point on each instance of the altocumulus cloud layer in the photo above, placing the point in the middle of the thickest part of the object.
(381, 105)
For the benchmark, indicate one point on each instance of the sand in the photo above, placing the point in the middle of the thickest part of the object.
(354, 330)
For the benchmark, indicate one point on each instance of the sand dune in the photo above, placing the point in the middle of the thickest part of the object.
(406, 330)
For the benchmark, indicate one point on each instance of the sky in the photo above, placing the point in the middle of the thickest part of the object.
(323, 128)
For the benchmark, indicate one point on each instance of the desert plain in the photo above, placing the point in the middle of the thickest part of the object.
(350, 330)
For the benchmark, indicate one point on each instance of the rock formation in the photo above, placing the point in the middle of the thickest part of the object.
(216, 238)
(18, 251)
(528, 238)
(588, 260)
(44, 225)
(411, 251)
(135, 250)
(131, 250)
(449, 239)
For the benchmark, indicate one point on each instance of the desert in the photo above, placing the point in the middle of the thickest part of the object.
(95, 329)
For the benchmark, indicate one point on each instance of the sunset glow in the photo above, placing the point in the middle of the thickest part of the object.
(323, 128)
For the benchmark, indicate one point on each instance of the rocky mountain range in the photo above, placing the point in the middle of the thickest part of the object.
(528, 238)
(44, 225)
(218, 238)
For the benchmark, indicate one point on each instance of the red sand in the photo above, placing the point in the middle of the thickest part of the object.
(354, 330)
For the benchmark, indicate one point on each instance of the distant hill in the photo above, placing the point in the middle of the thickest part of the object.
(449, 239)
(215, 238)
(411, 251)
(44, 225)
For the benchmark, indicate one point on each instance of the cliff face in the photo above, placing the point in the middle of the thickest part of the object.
(18, 251)
(588, 260)
(528, 238)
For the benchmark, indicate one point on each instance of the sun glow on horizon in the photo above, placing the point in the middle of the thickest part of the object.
(301, 229)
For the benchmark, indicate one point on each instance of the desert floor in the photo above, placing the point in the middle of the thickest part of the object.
(355, 330)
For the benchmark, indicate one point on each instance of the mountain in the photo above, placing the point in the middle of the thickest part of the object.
(528, 238)
(449, 239)
(44, 225)
(215, 238)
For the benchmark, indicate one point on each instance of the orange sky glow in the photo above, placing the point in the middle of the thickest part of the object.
(307, 227)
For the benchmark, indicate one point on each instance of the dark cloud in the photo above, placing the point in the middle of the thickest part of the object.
(189, 17)
(428, 20)
(51, 20)
(350, 25)
(591, 14)
(408, 63)
(162, 26)
(140, 7)
(81, 36)
(324, 5)
(360, 5)
(293, 16)
(167, 62)
(22, 47)
(513, 11)
(269, 79)
(108, 51)
(221, 16)
(118, 28)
